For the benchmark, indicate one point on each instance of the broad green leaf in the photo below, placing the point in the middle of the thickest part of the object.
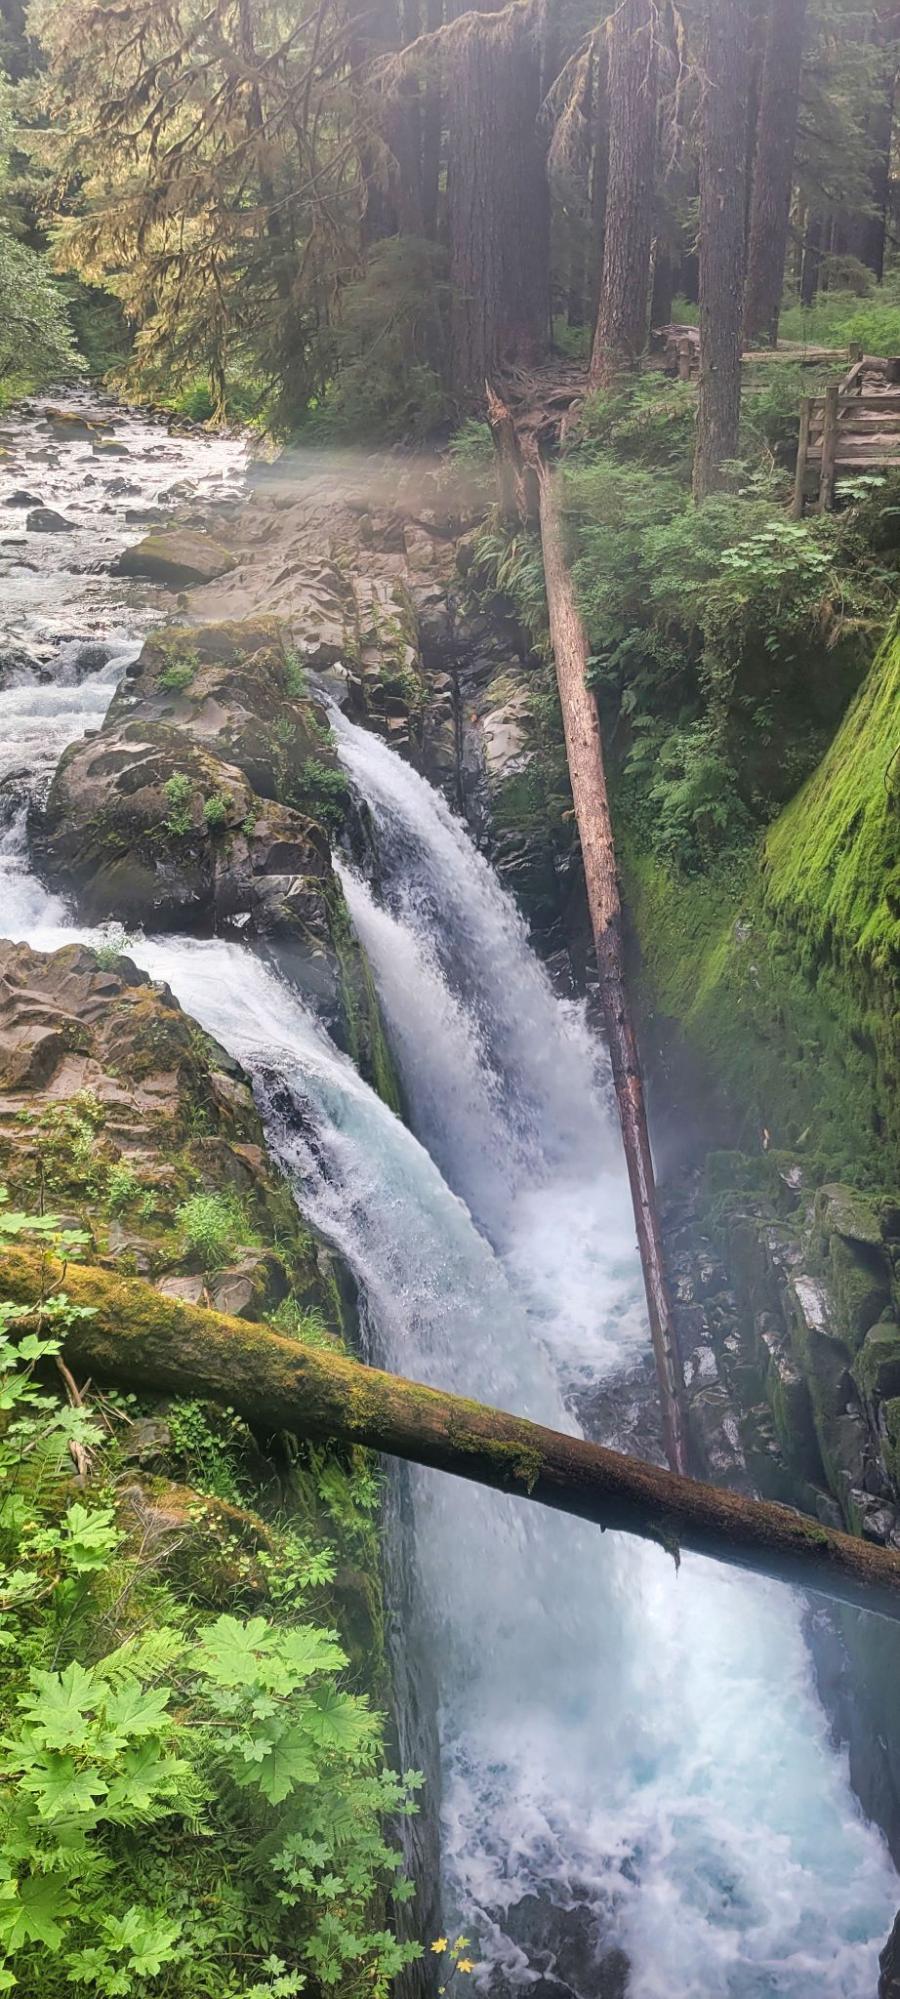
(286, 1762)
(60, 1705)
(61, 1789)
(33, 1911)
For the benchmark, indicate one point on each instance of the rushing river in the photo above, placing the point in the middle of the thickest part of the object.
(616, 1738)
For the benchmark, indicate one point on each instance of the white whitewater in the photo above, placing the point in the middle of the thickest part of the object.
(612, 1732)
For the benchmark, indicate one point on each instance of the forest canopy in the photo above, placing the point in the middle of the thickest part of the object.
(267, 195)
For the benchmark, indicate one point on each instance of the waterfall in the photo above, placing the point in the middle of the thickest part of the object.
(616, 1737)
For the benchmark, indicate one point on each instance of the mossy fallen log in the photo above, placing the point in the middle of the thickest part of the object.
(140, 1339)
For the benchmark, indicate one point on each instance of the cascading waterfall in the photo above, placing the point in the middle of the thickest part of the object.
(615, 1736)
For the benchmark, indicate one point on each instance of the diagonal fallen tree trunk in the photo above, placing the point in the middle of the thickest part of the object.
(135, 1337)
(584, 753)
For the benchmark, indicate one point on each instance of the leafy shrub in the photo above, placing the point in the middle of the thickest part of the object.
(322, 788)
(189, 1804)
(651, 422)
(122, 1187)
(296, 679)
(215, 812)
(178, 674)
(211, 1227)
(179, 794)
(114, 940)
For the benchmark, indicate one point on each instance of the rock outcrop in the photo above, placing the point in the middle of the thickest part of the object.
(179, 557)
(204, 804)
(117, 1113)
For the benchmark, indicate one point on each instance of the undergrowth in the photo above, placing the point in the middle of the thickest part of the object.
(191, 1801)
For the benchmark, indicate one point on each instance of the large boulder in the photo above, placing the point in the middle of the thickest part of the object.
(145, 826)
(234, 688)
(178, 557)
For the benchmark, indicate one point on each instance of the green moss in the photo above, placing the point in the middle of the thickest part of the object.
(781, 973)
(877, 1366)
(833, 857)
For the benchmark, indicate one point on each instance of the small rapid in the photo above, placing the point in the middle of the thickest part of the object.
(619, 1739)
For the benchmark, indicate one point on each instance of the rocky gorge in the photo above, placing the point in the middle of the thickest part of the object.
(211, 801)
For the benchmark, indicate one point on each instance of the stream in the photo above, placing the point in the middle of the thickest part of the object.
(634, 1760)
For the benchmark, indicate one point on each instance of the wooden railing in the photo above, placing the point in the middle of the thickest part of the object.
(854, 427)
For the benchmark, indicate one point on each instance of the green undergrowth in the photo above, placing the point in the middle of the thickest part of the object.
(193, 1784)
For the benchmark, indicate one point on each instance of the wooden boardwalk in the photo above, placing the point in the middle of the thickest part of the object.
(853, 428)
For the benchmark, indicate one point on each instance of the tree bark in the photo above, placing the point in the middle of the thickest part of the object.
(812, 257)
(773, 170)
(498, 198)
(723, 154)
(140, 1339)
(621, 331)
(584, 751)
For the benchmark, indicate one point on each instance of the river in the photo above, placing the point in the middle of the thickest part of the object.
(638, 1749)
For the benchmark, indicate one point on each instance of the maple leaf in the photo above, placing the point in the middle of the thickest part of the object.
(58, 1710)
(32, 1911)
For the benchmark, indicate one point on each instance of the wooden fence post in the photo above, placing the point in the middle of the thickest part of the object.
(802, 455)
(829, 447)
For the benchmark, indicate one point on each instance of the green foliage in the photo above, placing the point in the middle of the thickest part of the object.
(179, 794)
(190, 1806)
(472, 446)
(215, 812)
(296, 678)
(178, 672)
(204, 1444)
(37, 344)
(649, 423)
(122, 1187)
(726, 638)
(114, 940)
(306, 1324)
(840, 319)
(322, 788)
(211, 1226)
(388, 349)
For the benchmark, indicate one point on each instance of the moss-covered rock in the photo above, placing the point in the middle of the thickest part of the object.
(238, 691)
(118, 1112)
(145, 826)
(877, 1366)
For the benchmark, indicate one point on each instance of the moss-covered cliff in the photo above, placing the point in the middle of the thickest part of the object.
(783, 975)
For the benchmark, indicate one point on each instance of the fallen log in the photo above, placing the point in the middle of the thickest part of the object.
(139, 1339)
(584, 753)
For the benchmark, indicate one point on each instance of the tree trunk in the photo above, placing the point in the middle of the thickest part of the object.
(812, 256)
(621, 331)
(432, 119)
(140, 1339)
(723, 153)
(880, 132)
(498, 199)
(773, 170)
(584, 751)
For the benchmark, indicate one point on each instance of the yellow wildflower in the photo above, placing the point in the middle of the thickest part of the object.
(439, 1945)
(465, 1964)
